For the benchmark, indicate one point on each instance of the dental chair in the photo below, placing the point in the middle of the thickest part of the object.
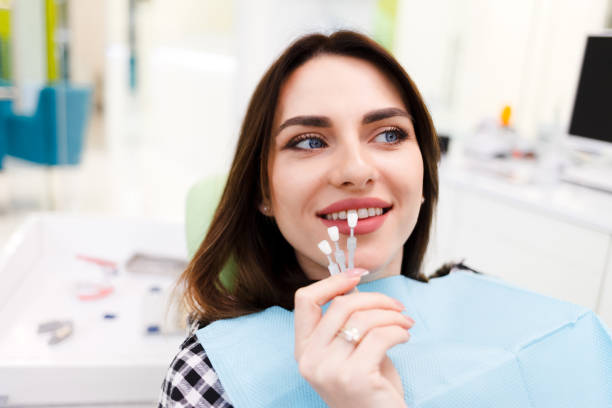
(201, 203)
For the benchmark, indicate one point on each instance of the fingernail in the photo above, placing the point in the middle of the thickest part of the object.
(400, 304)
(357, 272)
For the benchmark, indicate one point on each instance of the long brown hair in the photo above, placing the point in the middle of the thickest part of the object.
(266, 269)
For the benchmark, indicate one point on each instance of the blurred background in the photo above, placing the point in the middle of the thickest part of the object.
(110, 111)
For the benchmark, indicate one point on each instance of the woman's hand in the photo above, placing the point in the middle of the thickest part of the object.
(343, 373)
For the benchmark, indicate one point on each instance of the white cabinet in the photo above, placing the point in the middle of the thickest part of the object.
(539, 240)
(605, 303)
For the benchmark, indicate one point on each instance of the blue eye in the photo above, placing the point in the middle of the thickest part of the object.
(391, 136)
(307, 142)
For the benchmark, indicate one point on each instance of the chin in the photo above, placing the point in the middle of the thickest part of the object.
(371, 265)
(371, 258)
(378, 262)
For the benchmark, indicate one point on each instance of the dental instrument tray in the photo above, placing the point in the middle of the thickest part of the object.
(97, 349)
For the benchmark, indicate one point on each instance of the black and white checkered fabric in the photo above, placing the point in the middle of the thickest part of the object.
(191, 380)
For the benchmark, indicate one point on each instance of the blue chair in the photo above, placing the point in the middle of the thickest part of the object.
(5, 111)
(54, 134)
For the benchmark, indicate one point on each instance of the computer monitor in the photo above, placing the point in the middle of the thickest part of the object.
(590, 126)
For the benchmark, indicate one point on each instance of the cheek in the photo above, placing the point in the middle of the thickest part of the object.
(291, 186)
(405, 175)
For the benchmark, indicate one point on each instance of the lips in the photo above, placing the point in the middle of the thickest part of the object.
(364, 226)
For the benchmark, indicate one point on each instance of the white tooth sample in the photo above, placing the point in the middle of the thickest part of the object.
(334, 216)
(328, 216)
(362, 213)
(352, 218)
(371, 212)
(379, 211)
(342, 215)
(325, 247)
(333, 233)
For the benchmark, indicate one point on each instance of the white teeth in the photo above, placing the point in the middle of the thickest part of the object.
(361, 213)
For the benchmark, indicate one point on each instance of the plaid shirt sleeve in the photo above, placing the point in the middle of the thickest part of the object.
(191, 380)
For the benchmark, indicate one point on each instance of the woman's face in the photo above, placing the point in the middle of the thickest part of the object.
(343, 139)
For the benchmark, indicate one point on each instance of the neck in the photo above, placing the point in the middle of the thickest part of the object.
(391, 268)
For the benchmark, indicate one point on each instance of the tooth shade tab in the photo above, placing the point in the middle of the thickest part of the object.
(334, 234)
(325, 247)
(352, 218)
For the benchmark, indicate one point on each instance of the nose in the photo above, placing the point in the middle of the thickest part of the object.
(352, 168)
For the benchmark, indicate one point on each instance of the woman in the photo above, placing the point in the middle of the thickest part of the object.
(335, 124)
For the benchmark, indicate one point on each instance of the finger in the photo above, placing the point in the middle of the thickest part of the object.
(341, 309)
(373, 348)
(364, 321)
(389, 372)
(309, 299)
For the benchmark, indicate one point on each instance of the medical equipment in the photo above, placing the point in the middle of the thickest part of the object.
(326, 249)
(334, 234)
(351, 242)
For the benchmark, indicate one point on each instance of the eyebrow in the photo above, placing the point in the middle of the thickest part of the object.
(324, 121)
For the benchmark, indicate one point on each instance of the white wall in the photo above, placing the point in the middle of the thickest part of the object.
(87, 40)
(116, 93)
(471, 58)
(265, 28)
(29, 52)
(198, 63)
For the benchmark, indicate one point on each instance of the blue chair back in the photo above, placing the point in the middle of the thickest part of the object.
(54, 134)
(5, 111)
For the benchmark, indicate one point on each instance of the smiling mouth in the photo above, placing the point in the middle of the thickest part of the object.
(362, 213)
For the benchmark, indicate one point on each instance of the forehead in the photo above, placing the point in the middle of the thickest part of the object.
(334, 85)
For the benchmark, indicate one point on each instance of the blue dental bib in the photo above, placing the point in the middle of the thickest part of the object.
(477, 342)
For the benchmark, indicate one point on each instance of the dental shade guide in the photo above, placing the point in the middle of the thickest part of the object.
(326, 249)
(334, 234)
(351, 242)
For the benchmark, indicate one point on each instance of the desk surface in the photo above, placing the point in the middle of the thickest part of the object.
(104, 360)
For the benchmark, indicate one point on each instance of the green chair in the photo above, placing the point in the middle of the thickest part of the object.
(202, 201)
